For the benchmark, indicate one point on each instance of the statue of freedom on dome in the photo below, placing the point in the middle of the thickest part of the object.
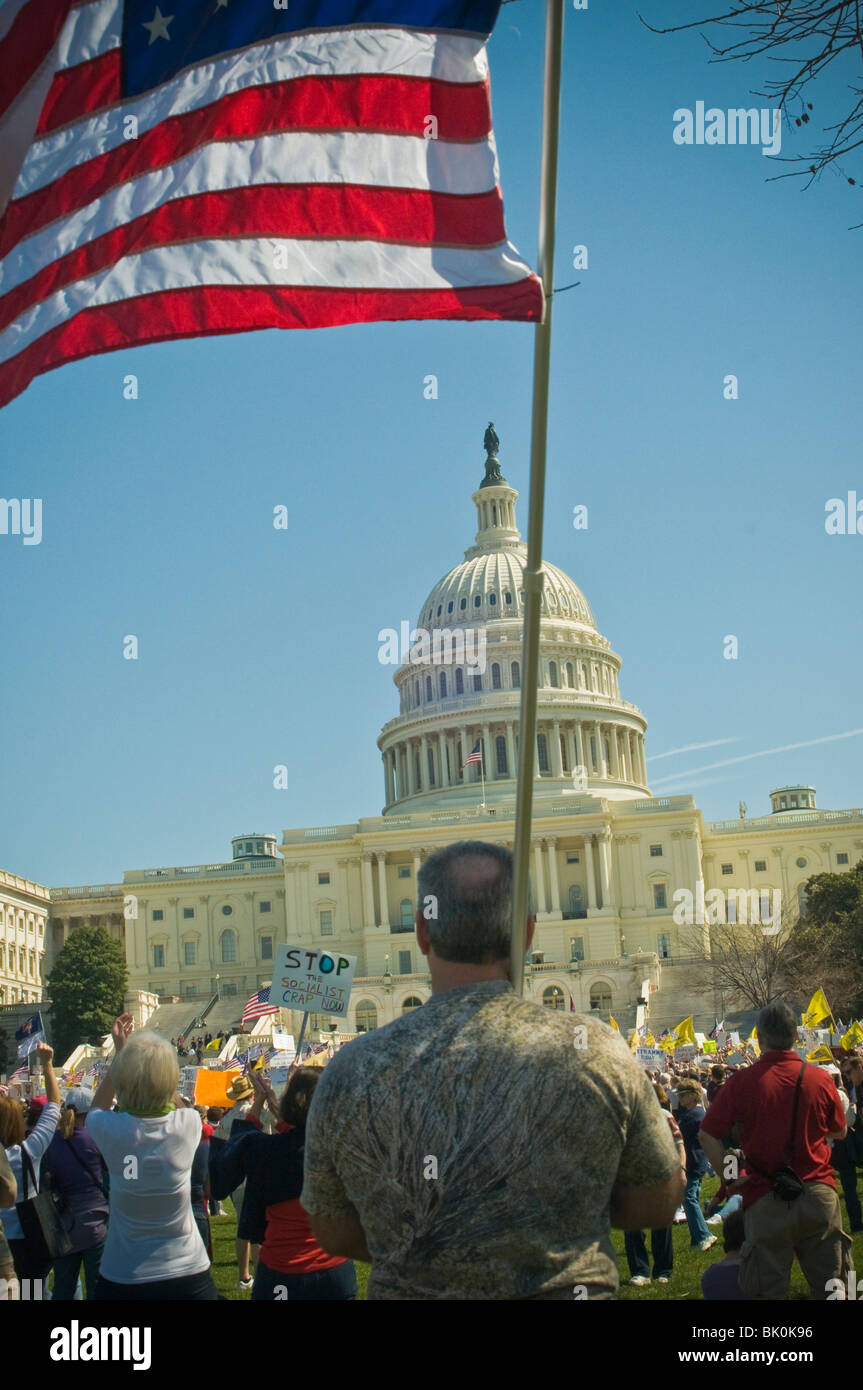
(491, 444)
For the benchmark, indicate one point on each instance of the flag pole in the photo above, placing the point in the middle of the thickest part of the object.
(554, 18)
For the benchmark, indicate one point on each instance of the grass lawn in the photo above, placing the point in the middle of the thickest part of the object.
(689, 1265)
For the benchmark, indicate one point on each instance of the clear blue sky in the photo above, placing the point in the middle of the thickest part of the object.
(259, 647)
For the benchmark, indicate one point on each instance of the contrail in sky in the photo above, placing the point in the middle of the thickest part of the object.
(691, 748)
(688, 786)
(765, 753)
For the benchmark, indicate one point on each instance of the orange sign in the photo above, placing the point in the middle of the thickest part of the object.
(211, 1087)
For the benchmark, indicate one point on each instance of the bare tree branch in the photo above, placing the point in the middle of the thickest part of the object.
(808, 36)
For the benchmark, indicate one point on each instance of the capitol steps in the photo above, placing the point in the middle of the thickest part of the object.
(687, 987)
(172, 1020)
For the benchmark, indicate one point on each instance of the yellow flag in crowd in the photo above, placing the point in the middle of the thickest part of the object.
(613, 1021)
(818, 1010)
(214, 1046)
(853, 1036)
(649, 1040)
(685, 1031)
(753, 1041)
(820, 1054)
(633, 1040)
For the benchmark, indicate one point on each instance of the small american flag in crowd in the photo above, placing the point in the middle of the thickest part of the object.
(258, 1005)
(219, 167)
(473, 757)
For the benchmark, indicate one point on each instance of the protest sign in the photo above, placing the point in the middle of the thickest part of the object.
(278, 1076)
(283, 1042)
(211, 1087)
(652, 1057)
(685, 1052)
(313, 980)
(188, 1077)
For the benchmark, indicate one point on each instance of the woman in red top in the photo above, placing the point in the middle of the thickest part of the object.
(291, 1264)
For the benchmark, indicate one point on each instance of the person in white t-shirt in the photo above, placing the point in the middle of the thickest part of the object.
(154, 1249)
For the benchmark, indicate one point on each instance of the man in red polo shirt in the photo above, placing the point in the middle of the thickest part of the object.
(760, 1100)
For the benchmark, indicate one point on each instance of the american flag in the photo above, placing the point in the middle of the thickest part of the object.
(258, 1005)
(474, 757)
(228, 165)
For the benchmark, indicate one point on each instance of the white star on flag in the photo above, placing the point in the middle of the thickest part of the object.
(158, 25)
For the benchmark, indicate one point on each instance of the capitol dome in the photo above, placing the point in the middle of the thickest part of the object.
(460, 684)
(492, 581)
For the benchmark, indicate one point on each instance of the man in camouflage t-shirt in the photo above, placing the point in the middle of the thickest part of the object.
(480, 1147)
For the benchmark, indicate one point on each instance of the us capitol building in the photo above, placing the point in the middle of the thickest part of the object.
(607, 856)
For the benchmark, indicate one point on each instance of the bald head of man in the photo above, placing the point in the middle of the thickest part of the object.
(464, 913)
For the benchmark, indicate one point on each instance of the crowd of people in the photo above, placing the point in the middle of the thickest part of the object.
(136, 1170)
(191, 1050)
(822, 1148)
(481, 1147)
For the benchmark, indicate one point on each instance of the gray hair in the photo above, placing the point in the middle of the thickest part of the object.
(777, 1026)
(465, 894)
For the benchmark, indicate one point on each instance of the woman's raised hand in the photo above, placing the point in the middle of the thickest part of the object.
(121, 1029)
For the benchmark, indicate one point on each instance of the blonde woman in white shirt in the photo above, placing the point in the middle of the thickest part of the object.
(154, 1249)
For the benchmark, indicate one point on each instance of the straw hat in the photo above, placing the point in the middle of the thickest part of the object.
(240, 1089)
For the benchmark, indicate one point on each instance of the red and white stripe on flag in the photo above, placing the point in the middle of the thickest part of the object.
(229, 166)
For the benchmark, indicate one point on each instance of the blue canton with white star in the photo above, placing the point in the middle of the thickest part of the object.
(160, 40)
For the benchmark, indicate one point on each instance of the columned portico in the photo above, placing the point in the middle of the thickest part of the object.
(554, 885)
(368, 893)
(604, 841)
(540, 878)
(592, 903)
(382, 890)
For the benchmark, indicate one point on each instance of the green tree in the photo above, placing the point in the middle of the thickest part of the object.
(87, 986)
(828, 944)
